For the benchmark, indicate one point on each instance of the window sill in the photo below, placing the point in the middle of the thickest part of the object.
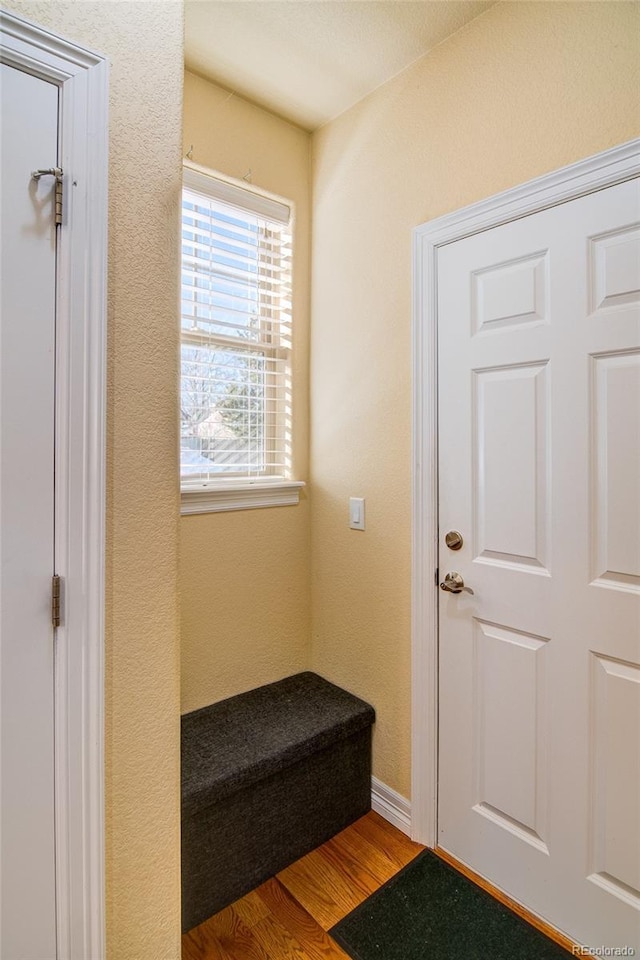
(243, 495)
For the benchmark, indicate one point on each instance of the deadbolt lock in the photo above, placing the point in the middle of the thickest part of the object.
(454, 540)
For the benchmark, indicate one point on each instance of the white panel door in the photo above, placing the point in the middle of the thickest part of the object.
(539, 470)
(27, 368)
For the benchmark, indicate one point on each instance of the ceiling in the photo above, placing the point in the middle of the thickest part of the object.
(310, 60)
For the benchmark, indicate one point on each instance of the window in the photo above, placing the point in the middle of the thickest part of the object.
(235, 429)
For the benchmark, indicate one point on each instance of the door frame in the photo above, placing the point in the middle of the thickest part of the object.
(82, 78)
(568, 183)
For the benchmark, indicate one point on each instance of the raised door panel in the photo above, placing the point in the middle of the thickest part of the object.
(510, 764)
(615, 778)
(615, 525)
(508, 295)
(615, 268)
(512, 466)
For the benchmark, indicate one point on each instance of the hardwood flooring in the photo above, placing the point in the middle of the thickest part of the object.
(287, 918)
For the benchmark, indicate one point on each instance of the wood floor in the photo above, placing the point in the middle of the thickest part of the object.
(287, 918)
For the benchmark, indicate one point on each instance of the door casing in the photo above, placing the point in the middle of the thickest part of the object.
(595, 173)
(82, 78)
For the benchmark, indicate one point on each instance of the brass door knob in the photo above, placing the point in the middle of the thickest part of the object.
(453, 583)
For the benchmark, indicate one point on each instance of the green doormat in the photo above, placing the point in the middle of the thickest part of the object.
(429, 911)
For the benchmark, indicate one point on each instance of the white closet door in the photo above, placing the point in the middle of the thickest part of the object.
(27, 391)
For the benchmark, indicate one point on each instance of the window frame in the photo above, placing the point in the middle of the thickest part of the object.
(239, 491)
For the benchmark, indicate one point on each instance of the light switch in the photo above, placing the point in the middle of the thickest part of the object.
(356, 513)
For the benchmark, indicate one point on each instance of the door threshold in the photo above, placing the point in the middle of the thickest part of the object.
(533, 919)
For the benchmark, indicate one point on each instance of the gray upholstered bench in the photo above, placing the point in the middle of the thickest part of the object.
(267, 776)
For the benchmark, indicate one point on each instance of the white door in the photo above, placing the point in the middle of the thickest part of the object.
(27, 372)
(539, 471)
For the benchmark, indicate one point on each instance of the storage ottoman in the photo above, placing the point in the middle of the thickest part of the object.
(267, 776)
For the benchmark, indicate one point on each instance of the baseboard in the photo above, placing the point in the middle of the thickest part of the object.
(391, 805)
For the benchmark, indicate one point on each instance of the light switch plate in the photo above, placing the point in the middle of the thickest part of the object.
(356, 513)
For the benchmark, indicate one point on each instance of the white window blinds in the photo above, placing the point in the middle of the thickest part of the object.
(236, 333)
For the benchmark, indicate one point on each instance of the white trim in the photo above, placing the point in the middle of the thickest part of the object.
(82, 77)
(595, 173)
(243, 495)
(236, 192)
(424, 612)
(391, 805)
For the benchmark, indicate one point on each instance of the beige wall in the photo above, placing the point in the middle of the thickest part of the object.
(522, 90)
(244, 575)
(144, 44)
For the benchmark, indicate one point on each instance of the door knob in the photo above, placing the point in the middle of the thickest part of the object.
(453, 583)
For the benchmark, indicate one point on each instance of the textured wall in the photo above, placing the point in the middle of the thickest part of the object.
(144, 44)
(244, 575)
(522, 90)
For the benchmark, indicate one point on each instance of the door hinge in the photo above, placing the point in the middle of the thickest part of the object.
(437, 575)
(56, 600)
(57, 173)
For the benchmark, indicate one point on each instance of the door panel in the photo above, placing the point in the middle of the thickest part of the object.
(615, 796)
(511, 412)
(616, 475)
(509, 692)
(27, 359)
(539, 469)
